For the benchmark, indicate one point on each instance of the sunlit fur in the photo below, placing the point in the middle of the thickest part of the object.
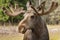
(35, 28)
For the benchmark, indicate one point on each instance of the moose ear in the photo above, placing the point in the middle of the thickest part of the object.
(28, 4)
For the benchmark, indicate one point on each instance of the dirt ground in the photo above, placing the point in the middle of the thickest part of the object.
(10, 33)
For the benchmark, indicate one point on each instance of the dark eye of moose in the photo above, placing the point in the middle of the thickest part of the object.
(32, 17)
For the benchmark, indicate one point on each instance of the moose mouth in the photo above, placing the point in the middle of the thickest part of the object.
(23, 30)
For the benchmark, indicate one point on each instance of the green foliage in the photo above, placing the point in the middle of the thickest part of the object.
(53, 18)
(5, 3)
(3, 17)
(19, 17)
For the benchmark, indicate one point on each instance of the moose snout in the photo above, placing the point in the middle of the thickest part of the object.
(21, 28)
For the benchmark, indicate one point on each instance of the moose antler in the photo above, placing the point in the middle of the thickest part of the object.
(52, 8)
(42, 6)
(13, 11)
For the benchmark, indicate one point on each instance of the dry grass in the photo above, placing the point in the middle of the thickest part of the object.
(11, 37)
(54, 33)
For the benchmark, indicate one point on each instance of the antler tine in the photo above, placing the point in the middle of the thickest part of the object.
(41, 6)
(35, 10)
(52, 8)
(5, 10)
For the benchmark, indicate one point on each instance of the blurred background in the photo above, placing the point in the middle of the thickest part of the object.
(8, 24)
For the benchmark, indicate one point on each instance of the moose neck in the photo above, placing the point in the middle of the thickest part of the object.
(38, 20)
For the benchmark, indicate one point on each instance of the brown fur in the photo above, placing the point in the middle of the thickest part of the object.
(34, 28)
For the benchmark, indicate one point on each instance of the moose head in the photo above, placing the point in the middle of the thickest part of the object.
(32, 19)
(32, 16)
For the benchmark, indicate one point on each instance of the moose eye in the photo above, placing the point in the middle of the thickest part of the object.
(32, 17)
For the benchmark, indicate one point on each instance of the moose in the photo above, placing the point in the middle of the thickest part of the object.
(32, 25)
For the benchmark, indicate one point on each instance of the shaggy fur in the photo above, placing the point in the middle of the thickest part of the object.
(34, 28)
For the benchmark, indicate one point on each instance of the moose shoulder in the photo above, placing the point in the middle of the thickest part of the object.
(32, 25)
